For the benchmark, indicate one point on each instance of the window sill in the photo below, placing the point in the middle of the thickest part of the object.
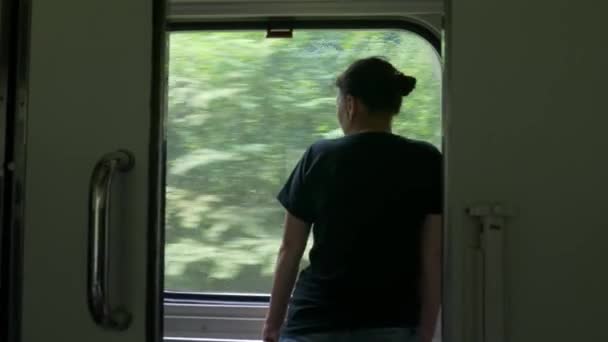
(219, 318)
(212, 321)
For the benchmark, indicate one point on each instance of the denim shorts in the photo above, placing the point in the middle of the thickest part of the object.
(369, 335)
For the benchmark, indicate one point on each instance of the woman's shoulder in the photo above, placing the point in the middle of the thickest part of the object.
(325, 145)
(421, 145)
(395, 142)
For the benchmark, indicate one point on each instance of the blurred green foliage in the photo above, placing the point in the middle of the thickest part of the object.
(242, 109)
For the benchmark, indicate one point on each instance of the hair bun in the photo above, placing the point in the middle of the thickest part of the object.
(405, 84)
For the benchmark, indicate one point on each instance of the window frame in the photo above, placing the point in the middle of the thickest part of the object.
(409, 24)
(406, 24)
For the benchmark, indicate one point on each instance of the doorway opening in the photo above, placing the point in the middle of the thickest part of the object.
(242, 109)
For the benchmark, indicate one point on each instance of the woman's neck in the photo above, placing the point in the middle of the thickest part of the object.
(376, 126)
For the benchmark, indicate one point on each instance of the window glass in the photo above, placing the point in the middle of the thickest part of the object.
(242, 110)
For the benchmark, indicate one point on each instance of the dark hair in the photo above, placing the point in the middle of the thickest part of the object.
(377, 84)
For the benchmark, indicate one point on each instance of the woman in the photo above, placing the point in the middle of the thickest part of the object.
(373, 200)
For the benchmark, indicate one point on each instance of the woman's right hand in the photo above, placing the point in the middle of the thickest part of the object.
(270, 334)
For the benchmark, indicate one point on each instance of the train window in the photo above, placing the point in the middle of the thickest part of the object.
(241, 110)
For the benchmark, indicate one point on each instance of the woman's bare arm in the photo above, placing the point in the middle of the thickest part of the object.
(290, 254)
(431, 276)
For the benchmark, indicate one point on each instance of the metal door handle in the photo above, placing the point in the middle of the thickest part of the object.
(99, 231)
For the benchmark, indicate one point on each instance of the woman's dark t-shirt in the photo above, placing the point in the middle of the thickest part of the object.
(366, 196)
